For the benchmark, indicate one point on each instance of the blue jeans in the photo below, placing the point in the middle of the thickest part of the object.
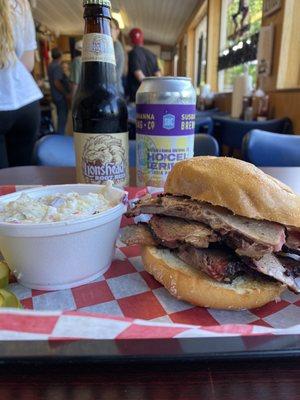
(62, 115)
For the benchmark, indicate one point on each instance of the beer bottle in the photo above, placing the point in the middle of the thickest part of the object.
(99, 113)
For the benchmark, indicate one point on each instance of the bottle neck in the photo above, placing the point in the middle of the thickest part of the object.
(97, 19)
(98, 57)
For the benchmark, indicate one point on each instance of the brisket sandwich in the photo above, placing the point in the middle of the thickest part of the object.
(224, 234)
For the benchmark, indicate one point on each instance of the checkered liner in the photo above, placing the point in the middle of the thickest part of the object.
(128, 303)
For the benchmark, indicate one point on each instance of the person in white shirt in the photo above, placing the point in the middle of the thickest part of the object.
(19, 94)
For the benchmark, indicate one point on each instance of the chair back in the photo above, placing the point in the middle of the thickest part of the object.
(266, 149)
(231, 132)
(54, 151)
(58, 150)
(205, 145)
(203, 124)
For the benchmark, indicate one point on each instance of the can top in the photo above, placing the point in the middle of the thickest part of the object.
(105, 3)
(166, 86)
(165, 78)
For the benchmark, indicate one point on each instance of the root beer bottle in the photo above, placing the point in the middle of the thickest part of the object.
(99, 114)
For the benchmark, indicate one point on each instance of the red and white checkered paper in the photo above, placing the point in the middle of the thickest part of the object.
(128, 303)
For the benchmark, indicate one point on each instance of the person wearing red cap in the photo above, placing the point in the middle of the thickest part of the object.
(141, 63)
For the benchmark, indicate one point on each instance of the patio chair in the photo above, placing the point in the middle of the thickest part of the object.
(230, 132)
(266, 149)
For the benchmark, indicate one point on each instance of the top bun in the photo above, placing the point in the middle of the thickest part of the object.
(236, 185)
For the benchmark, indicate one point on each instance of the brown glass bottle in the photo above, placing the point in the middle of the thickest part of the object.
(99, 113)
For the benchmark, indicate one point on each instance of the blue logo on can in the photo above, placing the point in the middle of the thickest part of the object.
(169, 121)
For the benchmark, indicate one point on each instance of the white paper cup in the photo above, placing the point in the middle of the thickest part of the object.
(60, 255)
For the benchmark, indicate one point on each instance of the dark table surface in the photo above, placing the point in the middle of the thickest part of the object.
(266, 379)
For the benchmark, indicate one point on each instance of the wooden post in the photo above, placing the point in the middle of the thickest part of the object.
(213, 38)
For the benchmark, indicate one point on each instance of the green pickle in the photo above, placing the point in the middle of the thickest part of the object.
(4, 274)
(8, 299)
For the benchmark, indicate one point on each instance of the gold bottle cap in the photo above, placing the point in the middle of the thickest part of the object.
(105, 3)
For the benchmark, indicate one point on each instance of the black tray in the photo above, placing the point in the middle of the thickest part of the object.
(147, 350)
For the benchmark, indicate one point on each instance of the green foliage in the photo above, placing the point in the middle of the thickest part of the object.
(231, 73)
(253, 19)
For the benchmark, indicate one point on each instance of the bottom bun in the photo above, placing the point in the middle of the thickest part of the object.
(189, 284)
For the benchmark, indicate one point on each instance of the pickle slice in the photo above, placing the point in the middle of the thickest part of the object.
(9, 299)
(4, 274)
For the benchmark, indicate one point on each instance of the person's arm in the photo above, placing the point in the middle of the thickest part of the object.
(158, 73)
(74, 88)
(57, 80)
(59, 86)
(135, 66)
(29, 39)
(75, 75)
(27, 59)
(139, 75)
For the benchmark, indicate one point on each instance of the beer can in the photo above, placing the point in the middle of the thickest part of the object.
(165, 127)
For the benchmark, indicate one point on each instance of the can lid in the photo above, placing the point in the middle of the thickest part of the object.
(105, 3)
(166, 78)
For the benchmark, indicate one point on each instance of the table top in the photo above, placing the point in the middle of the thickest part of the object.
(255, 379)
(36, 175)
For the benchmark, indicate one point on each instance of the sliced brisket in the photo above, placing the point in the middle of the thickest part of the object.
(138, 234)
(171, 232)
(220, 264)
(291, 264)
(248, 237)
(272, 266)
(293, 241)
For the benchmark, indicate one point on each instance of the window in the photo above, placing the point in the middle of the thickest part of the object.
(200, 53)
(240, 25)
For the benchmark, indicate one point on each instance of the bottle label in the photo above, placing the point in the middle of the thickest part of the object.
(102, 157)
(98, 47)
(165, 135)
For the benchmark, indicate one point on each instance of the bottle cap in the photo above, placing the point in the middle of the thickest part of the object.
(105, 3)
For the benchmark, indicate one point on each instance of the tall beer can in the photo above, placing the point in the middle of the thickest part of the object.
(165, 127)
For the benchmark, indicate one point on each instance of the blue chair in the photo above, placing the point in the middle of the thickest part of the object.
(205, 145)
(230, 132)
(58, 151)
(54, 151)
(203, 124)
(266, 149)
(211, 112)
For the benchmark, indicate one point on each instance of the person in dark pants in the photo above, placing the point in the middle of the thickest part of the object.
(61, 93)
(141, 63)
(19, 94)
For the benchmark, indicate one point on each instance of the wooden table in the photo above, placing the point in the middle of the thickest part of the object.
(33, 175)
(255, 379)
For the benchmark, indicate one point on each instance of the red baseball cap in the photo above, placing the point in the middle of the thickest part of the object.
(137, 36)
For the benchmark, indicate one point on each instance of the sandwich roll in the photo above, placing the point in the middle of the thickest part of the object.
(189, 284)
(236, 185)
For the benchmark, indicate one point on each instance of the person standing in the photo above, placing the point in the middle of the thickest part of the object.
(119, 53)
(76, 67)
(60, 92)
(19, 94)
(141, 63)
